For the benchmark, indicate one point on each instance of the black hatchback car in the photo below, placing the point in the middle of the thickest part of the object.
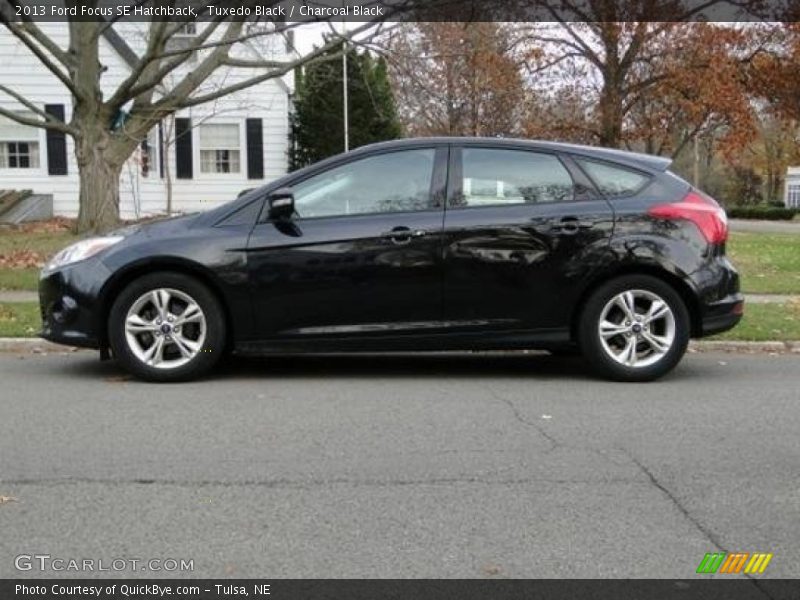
(414, 245)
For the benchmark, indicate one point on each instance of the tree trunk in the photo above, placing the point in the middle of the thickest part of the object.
(611, 116)
(99, 169)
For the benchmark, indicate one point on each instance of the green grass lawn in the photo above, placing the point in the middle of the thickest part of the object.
(769, 263)
(19, 279)
(765, 322)
(761, 322)
(19, 319)
(18, 246)
(46, 243)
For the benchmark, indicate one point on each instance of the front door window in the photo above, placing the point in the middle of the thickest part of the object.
(392, 182)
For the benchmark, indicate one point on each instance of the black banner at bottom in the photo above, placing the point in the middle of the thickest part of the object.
(405, 589)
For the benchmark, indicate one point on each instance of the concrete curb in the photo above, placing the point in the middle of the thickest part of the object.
(32, 345)
(747, 347)
(39, 346)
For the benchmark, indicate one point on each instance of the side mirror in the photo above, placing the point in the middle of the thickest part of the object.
(281, 204)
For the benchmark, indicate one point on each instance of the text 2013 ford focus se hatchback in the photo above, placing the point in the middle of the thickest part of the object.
(413, 245)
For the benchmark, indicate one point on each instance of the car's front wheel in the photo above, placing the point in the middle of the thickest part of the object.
(634, 328)
(166, 327)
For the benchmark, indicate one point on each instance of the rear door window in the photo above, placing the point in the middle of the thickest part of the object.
(503, 177)
(614, 180)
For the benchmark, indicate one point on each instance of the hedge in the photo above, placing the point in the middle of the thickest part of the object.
(769, 213)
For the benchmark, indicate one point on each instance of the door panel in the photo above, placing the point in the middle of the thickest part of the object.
(352, 274)
(510, 261)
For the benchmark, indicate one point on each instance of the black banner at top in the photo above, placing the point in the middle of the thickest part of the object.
(298, 11)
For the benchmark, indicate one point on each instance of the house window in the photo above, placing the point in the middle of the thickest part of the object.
(220, 148)
(793, 195)
(184, 39)
(188, 29)
(19, 145)
(147, 153)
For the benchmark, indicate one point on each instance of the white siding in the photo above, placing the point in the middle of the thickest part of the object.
(140, 196)
(792, 196)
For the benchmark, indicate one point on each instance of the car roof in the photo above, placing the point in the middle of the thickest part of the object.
(634, 159)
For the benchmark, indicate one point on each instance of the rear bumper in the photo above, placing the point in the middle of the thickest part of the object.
(724, 315)
(69, 304)
(722, 304)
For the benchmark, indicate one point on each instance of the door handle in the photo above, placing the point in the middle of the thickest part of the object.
(571, 225)
(403, 235)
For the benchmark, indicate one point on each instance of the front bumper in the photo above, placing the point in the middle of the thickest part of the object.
(69, 302)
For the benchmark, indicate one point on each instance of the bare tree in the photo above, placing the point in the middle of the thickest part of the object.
(616, 51)
(457, 78)
(155, 88)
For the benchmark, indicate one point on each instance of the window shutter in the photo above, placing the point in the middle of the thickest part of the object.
(255, 149)
(183, 149)
(56, 143)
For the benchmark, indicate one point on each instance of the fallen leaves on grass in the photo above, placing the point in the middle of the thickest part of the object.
(55, 225)
(22, 259)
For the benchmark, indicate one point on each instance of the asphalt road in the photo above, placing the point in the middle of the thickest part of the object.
(440, 466)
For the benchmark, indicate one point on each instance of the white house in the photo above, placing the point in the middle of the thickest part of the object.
(206, 155)
(792, 197)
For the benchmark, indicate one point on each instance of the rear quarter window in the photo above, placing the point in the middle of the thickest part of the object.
(614, 180)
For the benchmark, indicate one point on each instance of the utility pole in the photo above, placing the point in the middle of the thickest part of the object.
(345, 98)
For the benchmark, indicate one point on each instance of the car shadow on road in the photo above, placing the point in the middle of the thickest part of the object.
(535, 365)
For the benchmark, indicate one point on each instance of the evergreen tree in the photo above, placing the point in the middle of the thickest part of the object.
(317, 127)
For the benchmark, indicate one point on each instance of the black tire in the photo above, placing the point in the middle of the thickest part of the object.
(590, 341)
(202, 362)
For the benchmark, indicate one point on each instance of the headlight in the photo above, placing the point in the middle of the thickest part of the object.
(81, 251)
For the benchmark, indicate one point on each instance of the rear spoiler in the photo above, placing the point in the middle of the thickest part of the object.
(634, 159)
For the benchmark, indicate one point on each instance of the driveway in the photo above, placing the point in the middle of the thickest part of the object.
(398, 466)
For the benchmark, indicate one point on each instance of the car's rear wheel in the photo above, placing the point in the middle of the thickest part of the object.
(166, 327)
(634, 328)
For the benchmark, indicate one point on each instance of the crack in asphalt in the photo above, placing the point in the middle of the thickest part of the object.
(552, 441)
(709, 535)
(652, 479)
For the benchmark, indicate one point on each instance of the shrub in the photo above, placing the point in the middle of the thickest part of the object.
(766, 212)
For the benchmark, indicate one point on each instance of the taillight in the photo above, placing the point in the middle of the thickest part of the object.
(701, 210)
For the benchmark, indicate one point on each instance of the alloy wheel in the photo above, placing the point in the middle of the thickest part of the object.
(165, 328)
(636, 328)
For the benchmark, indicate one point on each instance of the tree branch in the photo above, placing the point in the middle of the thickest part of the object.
(43, 57)
(50, 123)
(30, 28)
(180, 99)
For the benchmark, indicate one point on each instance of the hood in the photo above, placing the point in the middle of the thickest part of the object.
(159, 226)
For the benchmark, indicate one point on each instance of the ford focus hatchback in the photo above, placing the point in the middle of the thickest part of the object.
(414, 245)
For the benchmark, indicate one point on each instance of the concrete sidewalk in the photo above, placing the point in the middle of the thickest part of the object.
(18, 296)
(755, 226)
